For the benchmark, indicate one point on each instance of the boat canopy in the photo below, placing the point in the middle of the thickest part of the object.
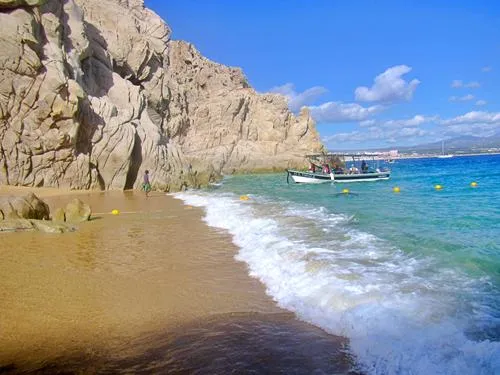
(336, 158)
(342, 160)
(345, 156)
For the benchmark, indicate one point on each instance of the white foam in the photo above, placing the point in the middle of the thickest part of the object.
(400, 317)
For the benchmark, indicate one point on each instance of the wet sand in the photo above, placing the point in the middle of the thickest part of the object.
(123, 286)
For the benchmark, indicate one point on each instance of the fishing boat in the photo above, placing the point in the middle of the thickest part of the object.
(340, 167)
(443, 155)
(309, 177)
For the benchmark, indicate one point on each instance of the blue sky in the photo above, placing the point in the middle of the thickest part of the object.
(373, 73)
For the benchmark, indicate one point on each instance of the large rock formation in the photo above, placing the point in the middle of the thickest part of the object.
(94, 92)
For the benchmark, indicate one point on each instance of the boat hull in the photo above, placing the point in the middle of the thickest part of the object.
(362, 177)
(301, 177)
(318, 178)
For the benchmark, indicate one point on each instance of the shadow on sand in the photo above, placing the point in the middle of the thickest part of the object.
(243, 343)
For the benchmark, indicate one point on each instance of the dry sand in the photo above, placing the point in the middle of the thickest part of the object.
(152, 268)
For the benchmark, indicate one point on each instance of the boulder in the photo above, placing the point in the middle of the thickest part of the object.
(27, 207)
(59, 215)
(51, 227)
(19, 225)
(31, 213)
(16, 225)
(76, 211)
(41, 210)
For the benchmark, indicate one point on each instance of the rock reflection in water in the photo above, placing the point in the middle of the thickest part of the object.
(225, 344)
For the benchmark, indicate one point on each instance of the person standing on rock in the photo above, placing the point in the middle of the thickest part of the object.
(146, 185)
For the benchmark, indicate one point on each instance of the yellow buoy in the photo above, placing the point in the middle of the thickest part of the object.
(244, 198)
(473, 184)
(396, 189)
(438, 187)
(115, 212)
(345, 191)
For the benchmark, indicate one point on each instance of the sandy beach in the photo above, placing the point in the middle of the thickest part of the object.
(153, 270)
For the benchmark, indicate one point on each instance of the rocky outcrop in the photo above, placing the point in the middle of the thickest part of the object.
(94, 92)
(22, 225)
(217, 117)
(32, 213)
(76, 211)
(27, 213)
(27, 207)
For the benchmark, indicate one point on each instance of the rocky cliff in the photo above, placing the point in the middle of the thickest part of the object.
(94, 92)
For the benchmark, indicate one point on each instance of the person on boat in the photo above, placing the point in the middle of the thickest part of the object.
(364, 167)
(312, 168)
(338, 169)
(353, 169)
(326, 168)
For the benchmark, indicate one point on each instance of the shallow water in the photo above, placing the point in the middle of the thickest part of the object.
(411, 278)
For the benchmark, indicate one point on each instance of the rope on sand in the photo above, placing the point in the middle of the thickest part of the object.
(124, 212)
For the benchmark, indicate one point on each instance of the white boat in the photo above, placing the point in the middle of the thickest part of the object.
(304, 177)
(443, 155)
(346, 168)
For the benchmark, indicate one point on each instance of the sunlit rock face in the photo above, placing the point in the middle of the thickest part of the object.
(94, 92)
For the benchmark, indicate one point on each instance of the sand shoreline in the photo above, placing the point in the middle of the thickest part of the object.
(153, 267)
(77, 300)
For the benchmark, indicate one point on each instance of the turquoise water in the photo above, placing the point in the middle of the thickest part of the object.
(411, 278)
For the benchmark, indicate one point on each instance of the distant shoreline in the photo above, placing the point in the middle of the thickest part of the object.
(437, 155)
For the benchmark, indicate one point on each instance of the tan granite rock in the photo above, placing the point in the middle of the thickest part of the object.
(52, 227)
(27, 207)
(21, 225)
(18, 3)
(76, 211)
(59, 215)
(16, 225)
(94, 92)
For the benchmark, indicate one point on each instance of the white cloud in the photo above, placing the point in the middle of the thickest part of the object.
(388, 87)
(464, 98)
(416, 120)
(481, 102)
(343, 112)
(367, 123)
(479, 123)
(457, 83)
(474, 117)
(486, 69)
(297, 100)
(388, 131)
(472, 85)
(377, 134)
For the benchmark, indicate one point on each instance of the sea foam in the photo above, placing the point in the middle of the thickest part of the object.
(402, 315)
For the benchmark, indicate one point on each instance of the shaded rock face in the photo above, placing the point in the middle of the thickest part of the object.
(94, 92)
(27, 207)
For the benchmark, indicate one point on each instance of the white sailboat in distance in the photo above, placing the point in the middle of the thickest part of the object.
(443, 155)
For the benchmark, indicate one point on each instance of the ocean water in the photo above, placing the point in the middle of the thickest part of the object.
(412, 279)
